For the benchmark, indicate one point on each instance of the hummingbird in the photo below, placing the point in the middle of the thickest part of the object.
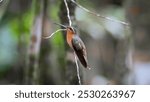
(75, 42)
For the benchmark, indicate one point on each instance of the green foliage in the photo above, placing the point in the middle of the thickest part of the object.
(58, 44)
(57, 39)
(11, 29)
(21, 25)
(54, 11)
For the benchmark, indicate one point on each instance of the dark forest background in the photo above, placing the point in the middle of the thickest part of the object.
(117, 53)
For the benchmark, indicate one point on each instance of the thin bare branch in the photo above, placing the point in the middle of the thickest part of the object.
(98, 15)
(78, 73)
(68, 13)
(54, 33)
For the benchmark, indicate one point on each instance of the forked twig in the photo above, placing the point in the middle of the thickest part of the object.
(98, 15)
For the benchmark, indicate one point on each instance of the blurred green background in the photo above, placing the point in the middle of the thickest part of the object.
(27, 58)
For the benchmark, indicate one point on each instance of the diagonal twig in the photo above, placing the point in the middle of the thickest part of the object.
(98, 15)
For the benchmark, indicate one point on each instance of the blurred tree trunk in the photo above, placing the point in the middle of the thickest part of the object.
(113, 55)
(70, 71)
(32, 70)
(44, 59)
(21, 51)
(138, 14)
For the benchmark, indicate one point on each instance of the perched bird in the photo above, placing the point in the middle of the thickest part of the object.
(75, 42)
(77, 45)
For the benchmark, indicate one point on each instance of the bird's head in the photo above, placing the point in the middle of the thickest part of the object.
(71, 29)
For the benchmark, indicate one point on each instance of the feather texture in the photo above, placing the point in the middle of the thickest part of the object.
(80, 50)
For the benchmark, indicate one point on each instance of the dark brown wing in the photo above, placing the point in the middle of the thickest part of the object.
(80, 50)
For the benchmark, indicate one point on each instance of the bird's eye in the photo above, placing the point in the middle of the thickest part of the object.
(70, 28)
